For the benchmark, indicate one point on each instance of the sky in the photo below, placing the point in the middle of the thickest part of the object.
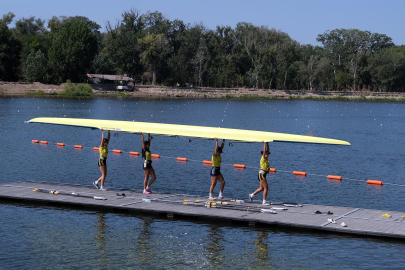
(303, 20)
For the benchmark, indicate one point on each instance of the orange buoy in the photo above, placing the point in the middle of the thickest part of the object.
(79, 146)
(374, 182)
(335, 177)
(134, 153)
(207, 162)
(155, 156)
(60, 144)
(117, 151)
(181, 159)
(35, 141)
(272, 170)
(44, 142)
(96, 148)
(239, 166)
(300, 173)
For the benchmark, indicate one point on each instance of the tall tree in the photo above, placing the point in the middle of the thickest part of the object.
(122, 43)
(277, 52)
(254, 40)
(347, 48)
(10, 48)
(153, 49)
(35, 67)
(154, 42)
(73, 49)
(387, 68)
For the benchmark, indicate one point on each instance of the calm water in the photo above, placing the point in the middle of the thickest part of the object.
(43, 237)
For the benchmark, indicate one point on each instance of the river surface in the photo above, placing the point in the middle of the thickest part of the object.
(39, 237)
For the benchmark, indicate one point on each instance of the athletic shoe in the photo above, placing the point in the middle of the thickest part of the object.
(331, 220)
(250, 197)
(146, 192)
(103, 189)
(220, 197)
(265, 203)
(96, 185)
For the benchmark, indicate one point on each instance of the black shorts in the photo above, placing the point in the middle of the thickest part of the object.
(102, 162)
(215, 171)
(147, 164)
(261, 176)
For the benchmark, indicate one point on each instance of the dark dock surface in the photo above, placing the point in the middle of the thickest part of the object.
(358, 221)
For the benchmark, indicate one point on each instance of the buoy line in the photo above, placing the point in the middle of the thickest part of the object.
(237, 166)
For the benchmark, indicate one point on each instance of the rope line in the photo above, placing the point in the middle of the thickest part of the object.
(247, 166)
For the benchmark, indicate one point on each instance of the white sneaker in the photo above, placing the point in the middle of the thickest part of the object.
(265, 203)
(95, 183)
(331, 220)
(250, 197)
(103, 189)
(220, 197)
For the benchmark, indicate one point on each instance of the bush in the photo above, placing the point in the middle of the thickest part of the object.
(82, 89)
(39, 92)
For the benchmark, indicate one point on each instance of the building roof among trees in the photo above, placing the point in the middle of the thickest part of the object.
(110, 77)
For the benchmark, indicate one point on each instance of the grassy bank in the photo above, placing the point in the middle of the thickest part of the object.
(85, 91)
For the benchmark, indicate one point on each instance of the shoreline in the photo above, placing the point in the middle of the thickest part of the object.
(16, 89)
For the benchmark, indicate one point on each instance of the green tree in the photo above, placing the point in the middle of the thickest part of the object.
(278, 52)
(30, 26)
(36, 67)
(73, 49)
(153, 49)
(387, 68)
(122, 43)
(10, 48)
(154, 43)
(103, 63)
(347, 50)
(34, 36)
(221, 66)
(254, 40)
(176, 61)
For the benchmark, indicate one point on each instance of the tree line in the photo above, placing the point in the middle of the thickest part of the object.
(154, 50)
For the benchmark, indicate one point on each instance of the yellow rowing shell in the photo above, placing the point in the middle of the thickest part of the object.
(187, 131)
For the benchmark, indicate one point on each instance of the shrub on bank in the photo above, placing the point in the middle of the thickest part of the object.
(81, 89)
(39, 92)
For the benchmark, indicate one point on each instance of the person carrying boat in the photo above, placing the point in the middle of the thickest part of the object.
(216, 170)
(102, 161)
(147, 165)
(264, 168)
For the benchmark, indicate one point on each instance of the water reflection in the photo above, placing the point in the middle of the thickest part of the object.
(145, 248)
(215, 245)
(100, 238)
(261, 252)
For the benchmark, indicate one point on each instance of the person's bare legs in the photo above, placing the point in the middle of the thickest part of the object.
(145, 181)
(214, 180)
(152, 173)
(222, 181)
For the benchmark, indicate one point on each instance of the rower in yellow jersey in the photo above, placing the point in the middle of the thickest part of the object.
(147, 165)
(102, 161)
(264, 168)
(215, 172)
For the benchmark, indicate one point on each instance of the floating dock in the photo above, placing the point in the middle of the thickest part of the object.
(356, 221)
